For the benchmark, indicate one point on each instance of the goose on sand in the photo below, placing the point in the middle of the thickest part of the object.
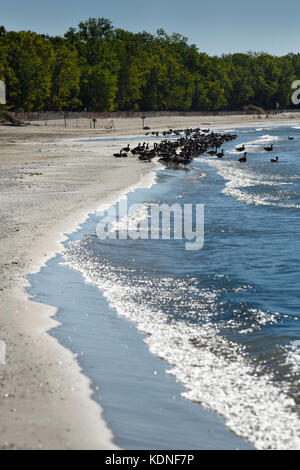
(121, 154)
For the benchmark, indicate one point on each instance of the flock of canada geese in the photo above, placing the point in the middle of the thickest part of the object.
(191, 144)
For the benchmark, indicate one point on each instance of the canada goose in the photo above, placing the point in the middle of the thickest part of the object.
(244, 158)
(126, 149)
(275, 160)
(291, 138)
(269, 149)
(121, 154)
(241, 149)
(220, 155)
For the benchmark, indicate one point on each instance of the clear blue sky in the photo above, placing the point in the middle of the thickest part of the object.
(215, 26)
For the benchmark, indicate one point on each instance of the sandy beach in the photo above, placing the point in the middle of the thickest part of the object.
(46, 189)
(48, 184)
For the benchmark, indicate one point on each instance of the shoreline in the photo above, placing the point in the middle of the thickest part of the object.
(40, 394)
(43, 389)
(125, 375)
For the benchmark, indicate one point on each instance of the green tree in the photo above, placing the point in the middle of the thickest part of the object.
(98, 67)
(31, 58)
(66, 75)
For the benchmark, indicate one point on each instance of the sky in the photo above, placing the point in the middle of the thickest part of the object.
(215, 26)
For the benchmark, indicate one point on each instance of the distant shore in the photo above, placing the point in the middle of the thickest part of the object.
(48, 184)
(122, 122)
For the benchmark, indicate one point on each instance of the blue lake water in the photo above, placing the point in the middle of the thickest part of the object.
(224, 319)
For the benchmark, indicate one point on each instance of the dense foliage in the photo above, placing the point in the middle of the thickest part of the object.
(98, 67)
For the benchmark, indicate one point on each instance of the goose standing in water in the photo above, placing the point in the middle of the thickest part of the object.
(244, 158)
(269, 149)
(221, 154)
(275, 160)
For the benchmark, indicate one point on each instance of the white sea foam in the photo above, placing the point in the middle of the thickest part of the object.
(240, 178)
(133, 221)
(293, 357)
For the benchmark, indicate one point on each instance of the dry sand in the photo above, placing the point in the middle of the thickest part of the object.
(48, 184)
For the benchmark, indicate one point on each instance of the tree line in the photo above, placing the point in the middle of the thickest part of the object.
(97, 67)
